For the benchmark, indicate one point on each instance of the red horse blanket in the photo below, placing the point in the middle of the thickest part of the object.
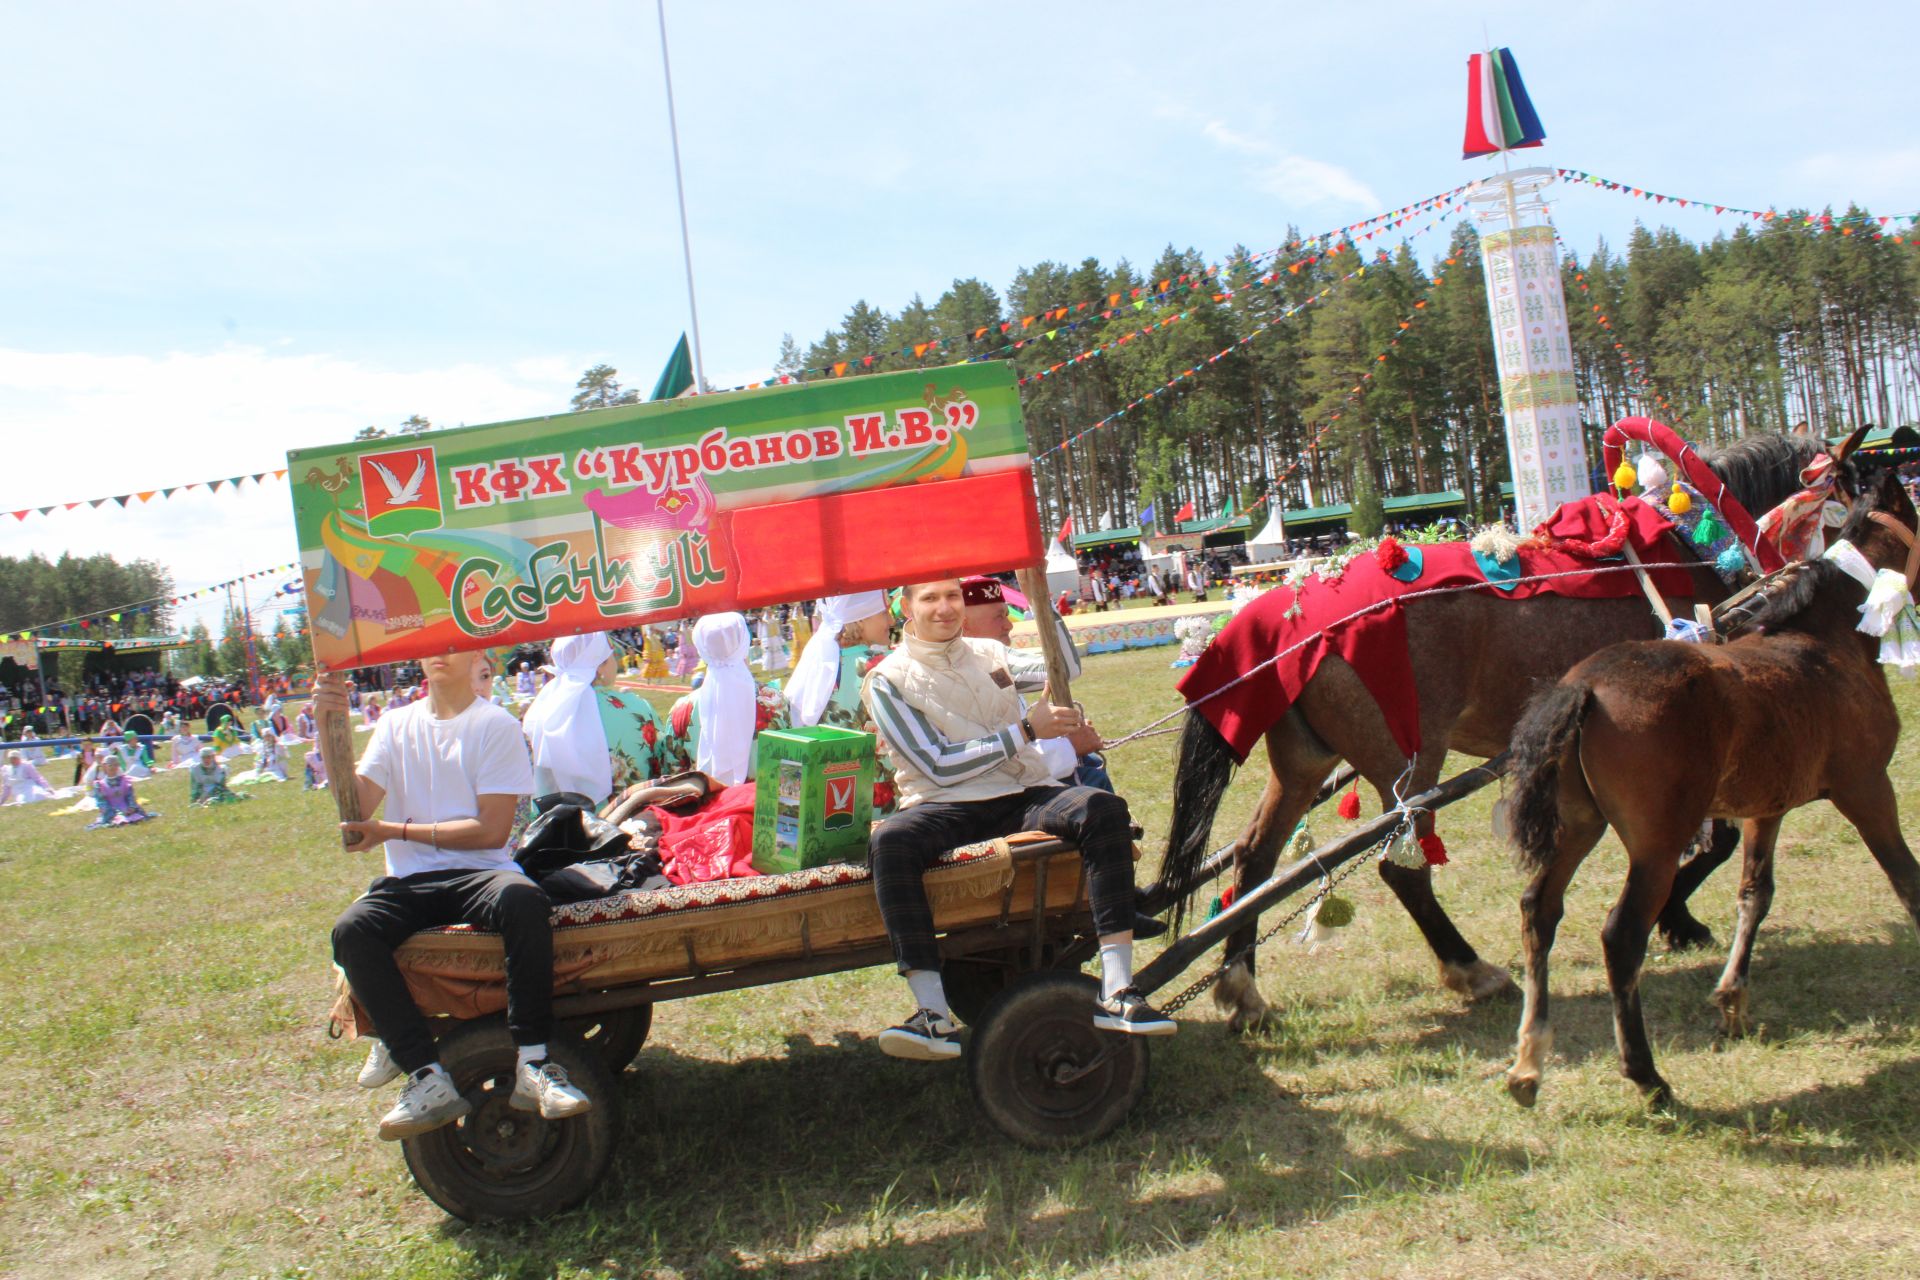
(1358, 617)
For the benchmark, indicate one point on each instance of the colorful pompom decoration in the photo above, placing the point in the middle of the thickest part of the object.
(1679, 501)
(1650, 473)
(1731, 561)
(1625, 477)
(1709, 531)
(1335, 912)
(1390, 553)
(1433, 849)
(1349, 807)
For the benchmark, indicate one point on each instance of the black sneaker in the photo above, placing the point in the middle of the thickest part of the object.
(925, 1037)
(1128, 1011)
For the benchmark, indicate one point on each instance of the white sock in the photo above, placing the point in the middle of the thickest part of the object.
(929, 992)
(532, 1053)
(1116, 968)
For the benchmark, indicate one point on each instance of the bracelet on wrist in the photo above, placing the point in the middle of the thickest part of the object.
(1026, 727)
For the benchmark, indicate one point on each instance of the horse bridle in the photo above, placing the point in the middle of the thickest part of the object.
(1905, 535)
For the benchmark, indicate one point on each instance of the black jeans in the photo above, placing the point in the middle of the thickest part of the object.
(909, 842)
(394, 909)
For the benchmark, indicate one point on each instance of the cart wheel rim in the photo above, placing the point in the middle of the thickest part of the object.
(1060, 1068)
(503, 1146)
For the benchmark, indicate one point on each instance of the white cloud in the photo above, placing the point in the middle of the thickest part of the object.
(79, 425)
(1299, 179)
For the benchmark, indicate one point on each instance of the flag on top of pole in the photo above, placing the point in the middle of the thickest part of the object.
(1500, 116)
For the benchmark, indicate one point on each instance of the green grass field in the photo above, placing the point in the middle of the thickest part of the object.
(175, 1107)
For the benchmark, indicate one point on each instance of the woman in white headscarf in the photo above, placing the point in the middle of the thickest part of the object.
(726, 705)
(563, 723)
(853, 623)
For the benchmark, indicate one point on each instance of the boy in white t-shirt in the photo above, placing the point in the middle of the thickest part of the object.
(451, 770)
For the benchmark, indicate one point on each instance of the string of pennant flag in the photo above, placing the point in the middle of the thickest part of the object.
(1381, 257)
(1140, 296)
(148, 495)
(101, 618)
(1875, 225)
(1269, 280)
(1633, 363)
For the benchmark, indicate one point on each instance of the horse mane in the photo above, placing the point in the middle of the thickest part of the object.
(1779, 605)
(1764, 470)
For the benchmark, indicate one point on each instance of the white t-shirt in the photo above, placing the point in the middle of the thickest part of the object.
(437, 770)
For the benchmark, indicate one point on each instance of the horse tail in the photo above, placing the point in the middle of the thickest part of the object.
(1200, 781)
(1546, 734)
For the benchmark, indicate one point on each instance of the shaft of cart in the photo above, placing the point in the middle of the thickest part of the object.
(1287, 881)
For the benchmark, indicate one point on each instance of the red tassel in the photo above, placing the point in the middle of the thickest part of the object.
(1434, 849)
(1227, 896)
(1390, 554)
(1350, 805)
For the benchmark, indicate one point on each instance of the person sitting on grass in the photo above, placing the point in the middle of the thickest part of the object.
(967, 768)
(114, 799)
(22, 783)
(207, 782)
(269, 761)
(451, 771)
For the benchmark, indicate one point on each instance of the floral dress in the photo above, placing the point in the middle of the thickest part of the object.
(117, 805)
(770, 712)
(642, 746)
(208, 787)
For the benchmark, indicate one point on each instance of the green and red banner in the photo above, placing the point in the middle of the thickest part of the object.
(516, 531)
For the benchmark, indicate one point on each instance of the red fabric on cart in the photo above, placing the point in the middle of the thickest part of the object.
(713, 842)
(1375, 643)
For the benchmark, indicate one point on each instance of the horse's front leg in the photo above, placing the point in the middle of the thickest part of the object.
(1756, 898)
(1868, 803)
(1461, 968)
(1677, 923)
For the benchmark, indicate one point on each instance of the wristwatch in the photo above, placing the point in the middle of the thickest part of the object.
(1026, 727)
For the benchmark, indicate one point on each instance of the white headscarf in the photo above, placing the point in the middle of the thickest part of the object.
(725, 700)
(818, 670)
(563, 723)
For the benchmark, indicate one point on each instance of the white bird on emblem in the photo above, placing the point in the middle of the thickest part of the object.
(399, 495)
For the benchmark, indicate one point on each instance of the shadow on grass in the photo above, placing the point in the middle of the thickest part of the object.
(829, 1158)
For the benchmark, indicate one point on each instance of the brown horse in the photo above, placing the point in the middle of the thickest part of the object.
(1475, 661)
(1652, 738)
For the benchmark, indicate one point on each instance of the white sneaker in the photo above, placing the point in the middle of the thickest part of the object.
(428, 1101)
(543, 1086)
(380, 1069)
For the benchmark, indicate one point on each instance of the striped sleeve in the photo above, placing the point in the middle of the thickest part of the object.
(1029, 666)
(912, 737)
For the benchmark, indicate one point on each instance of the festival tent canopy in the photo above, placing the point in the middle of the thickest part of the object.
(1273, 532)
(1105, 537)
(1318, 519)
(1217, 524)
(1413, 503)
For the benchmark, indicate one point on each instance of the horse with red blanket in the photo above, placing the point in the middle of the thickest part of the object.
(1396, 662)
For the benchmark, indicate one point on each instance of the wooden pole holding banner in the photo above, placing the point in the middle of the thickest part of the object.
(335, 731)
(1059, 673)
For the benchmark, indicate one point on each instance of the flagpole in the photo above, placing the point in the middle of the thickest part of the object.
(680, 187)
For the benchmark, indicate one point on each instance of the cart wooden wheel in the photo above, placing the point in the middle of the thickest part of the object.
(499, 1163)
(617, 1035)
(1040, 1070)
(972, 982)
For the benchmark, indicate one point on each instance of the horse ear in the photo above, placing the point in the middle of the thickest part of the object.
(1852, 442)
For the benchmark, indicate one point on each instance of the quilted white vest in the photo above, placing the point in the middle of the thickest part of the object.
(952, 684)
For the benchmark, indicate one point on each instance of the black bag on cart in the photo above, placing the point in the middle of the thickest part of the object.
(574, 854)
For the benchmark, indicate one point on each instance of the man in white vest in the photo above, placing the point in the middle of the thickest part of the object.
(967, 768)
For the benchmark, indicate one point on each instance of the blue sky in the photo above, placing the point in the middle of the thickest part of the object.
(227, 229)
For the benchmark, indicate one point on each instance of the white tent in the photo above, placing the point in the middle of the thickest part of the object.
(1063, 571)
(1270, 543)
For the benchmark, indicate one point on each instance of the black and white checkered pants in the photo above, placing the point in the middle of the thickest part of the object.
(910, 841)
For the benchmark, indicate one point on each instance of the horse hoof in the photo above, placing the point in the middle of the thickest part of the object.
(1478, 981)
(1686, 935)
(1524, 1090)
(1246, 1022)
(1733, 1013)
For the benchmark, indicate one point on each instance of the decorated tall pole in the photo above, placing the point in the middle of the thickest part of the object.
(1546, 447)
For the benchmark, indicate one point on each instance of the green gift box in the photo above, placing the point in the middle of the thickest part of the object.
(813, 798)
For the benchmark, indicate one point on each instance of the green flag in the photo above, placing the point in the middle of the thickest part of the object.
(1228, 513)
(677, 376)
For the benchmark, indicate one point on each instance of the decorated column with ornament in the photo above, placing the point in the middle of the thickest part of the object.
(1546, 448)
